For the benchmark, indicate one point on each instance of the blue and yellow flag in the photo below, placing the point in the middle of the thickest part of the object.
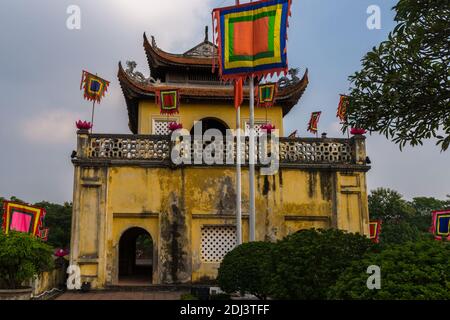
(94, 86)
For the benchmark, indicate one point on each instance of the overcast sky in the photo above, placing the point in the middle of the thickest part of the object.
(41, 62)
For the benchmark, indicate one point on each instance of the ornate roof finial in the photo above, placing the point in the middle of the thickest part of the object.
(206, 34)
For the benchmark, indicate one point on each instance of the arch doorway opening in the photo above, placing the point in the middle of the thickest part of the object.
(212, 123)
(135, 257)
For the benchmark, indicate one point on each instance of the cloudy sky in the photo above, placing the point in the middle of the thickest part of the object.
(41, 62)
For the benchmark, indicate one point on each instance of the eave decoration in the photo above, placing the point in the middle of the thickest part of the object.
(266, 94)
(24, 218)
(440, 227)
(252, 38)
(168, 101)
(375, 230)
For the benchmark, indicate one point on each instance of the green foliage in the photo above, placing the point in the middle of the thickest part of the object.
(247, 268)
(309, 262)
(59, 221)
(21, 257)
(403, 88)
(387, 204)
(403, 220)
(419, 271)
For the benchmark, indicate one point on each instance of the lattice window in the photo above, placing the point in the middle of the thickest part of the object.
(258, 125)
(217, 241)
(161, 127)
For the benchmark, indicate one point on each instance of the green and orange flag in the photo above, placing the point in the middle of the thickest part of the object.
(94, 87)
(252, 38)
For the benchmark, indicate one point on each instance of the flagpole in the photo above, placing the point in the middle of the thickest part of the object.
(252, 214)
(238, 175)
(238, 178)
(92, 121)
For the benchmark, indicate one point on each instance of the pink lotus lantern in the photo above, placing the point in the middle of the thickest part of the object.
(83, 125)
(358, 131)
(173, 126)
(268, 128)
(61, 253)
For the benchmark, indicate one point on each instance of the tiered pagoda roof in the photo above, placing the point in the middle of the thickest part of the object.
(191, 73)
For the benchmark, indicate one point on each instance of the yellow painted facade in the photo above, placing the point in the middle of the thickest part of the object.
(111, 199)
(149, 112)
(126, 184)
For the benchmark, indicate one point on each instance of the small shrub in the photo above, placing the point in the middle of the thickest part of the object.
(411, 271)
(21, 257)
(247, 269)
(309, 262)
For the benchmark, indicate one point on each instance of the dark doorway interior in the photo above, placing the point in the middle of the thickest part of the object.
(135, 257)
(212, 123)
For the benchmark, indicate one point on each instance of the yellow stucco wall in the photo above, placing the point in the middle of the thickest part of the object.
(189, 113)
(156, 199)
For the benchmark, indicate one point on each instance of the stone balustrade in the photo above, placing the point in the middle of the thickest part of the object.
(158, 149)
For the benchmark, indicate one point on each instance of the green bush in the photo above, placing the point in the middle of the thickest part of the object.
(21, 257)
(247, 269)
(419, 271)
(309, 262)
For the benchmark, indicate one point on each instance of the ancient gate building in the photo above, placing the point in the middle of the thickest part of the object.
(127, 187)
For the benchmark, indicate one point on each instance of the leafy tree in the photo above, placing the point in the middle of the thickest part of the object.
(247, 269)
(423, 207)
(387, 204)
(21, 257)
(309, 262)
(412, 271)
(403, 89)
(403, 220)
(59, 220)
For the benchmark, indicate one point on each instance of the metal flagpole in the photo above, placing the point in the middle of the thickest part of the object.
(238, 174)
(92, 121)
(238, 178)
(252, 215)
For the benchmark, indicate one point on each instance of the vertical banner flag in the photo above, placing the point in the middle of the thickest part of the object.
(168, 101)
(94, 87)
(343, 107)
(266, 95)
(238, 92)
(252, 38)
(24, 218)
(375, 230)
(441, 225)
(314, 122)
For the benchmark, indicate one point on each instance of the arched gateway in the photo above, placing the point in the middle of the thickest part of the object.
(135, 257)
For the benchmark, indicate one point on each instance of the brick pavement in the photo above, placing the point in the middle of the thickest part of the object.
(122, 295)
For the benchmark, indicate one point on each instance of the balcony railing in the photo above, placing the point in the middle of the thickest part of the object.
(158, 149)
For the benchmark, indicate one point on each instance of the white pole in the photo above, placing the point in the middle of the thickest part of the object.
(252, 215)
(238, 178)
